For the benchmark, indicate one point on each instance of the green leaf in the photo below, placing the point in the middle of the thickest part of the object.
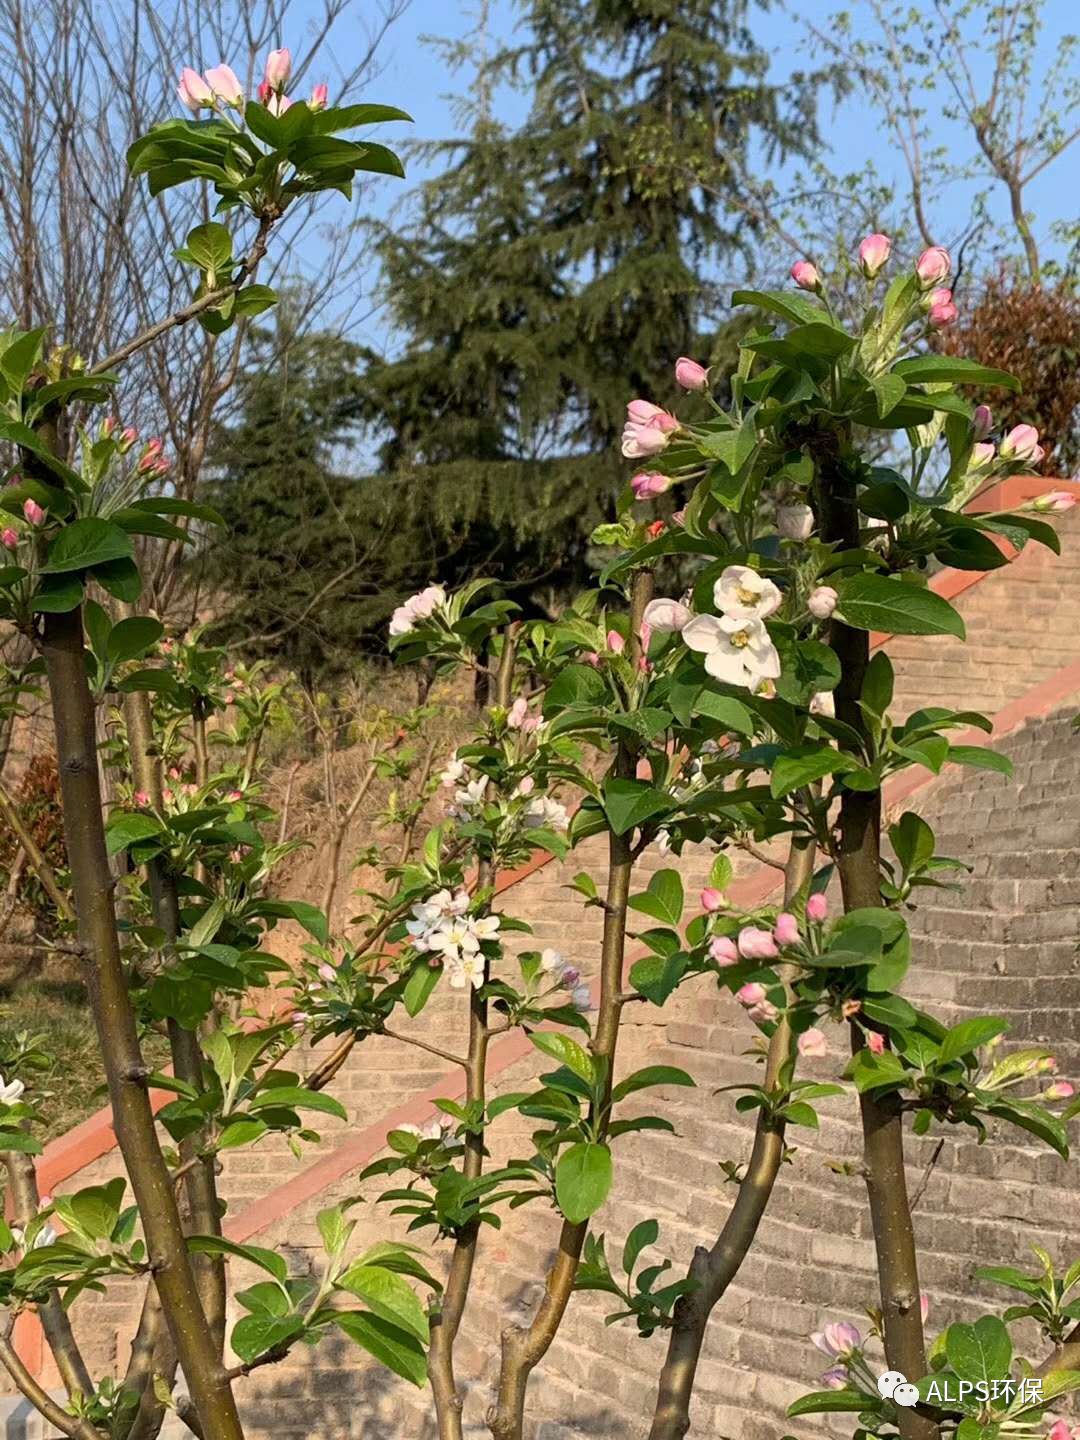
(20, 357)
(656, 976)
(877, 687)
(913, 841)
(822, 1402)
(120, 578)
(804, 764)
(348, 117)
(969, 1035)
(57, 595)
(663, 899)
(210, 246)
(256, 1334)
(133, 637)
(296, 1097)
(629, 803)
(874, 602)
(566, 1051)
(84, 543)
(980, 1352)
(651, 1075)
(393, 1347)
(582, 1180)
(643, 1234)
(388, 1296)
(267, 1260)
(420, 986)
(981, 757)
(821, 340)
(931, 369)
(732, 714)
(796, 308)
(888, 390)
(123, 829)
(309, 916)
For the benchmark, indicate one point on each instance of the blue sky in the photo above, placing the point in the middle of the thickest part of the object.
(415, 76)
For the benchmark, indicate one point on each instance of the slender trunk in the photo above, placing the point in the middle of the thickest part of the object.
(714, 1269)
(126, 1071)
(523, 1347)
(446, 1321)
(859, 865)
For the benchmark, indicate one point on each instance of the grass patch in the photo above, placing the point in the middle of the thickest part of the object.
(59, 1013)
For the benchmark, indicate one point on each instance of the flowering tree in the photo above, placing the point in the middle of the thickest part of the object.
(750, 708)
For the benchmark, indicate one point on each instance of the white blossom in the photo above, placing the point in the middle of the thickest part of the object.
(547, 813)
(11, 1092)
(744, 594)
(737, 651)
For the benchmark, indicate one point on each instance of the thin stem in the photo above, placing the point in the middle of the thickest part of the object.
(446, 1055)
(40, 1398)
(713, 1270)
(9, 813)
(523, 1347)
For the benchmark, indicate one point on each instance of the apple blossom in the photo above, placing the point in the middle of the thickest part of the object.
(649, 483)
(666, 617)
(982, 422)
(518, 713)
(327, 973)
(756, 944)
(850, 1008)
(1054, 501)
(874, 252)
(821, 601)
(875, 1042)
(942, 310)
(33, 512)
(786, 929)
(225, 85)
(982, 456)
(738, 652)
(655, 530)
(795, 522)
(839, 1339)
(932, 266)
(278, 68)
(647, 431)
(10, 1091)
(193, 90)
(805, 275)
(320, 96)
(141, 798)
(547, 814)
(822, 702)
(615, 642)
(752, 993)
(1060, 1090)
(743, 594)
(690, 375)
(712, 899)
(835, 1379)
(278, 104)
(813, 1045)
(581, 998)
(9, 538)
(723, 951)
(817, 907)
(1020, 443)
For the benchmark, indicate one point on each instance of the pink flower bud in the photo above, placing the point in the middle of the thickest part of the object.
(723, 951)
(1020, 443)
(9, 538)
(108, 425)
(942, 310)
(838, 1339)
(592, 658)
(763, 1012)
(805, 275)
(298, 1020)
(933, 266)
(615, 642)
(278, 68)
(822, 602)
(1054, 501)
(712, 899)
(645, 634)
(128, 436)
(1046, 1066)
(265, 91)
(795, 522)
(850, 1008)
(1060, 1090)
(193, 90)
(756, 944)
(33, 512)
(327, 973)
(518, 713)
(874, 252)
(835, 1379)
(666, 617)
(649, 484)
(875, 1042)
(813, 1045)
(234, 795)
(225, 85)
(750, 994)
(982, 422)
(690, 375)
(570, 978)
(141, 798)
(817, 907)
(319, 98)
(786, 929)
(982, 456)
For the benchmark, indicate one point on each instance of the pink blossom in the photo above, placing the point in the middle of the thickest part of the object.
(712, 899)
(874, 252)
(786, 929)
(932, 266)
(1054, 501)
(655, 530)
(1046, 1066)
(193, 90)
(615, 642)
(278, 68)
(805, 275)
(813, 1045)
(835, 1379)
(650, 483)
(9, 538)
(982, 455)
(327, 973)
(924, 1306)
(942, 310)
(1060, 1090)
(756, 944)
(108, 425)
(517, 713)
(320, 96)
(33, 512)
(817, 907)
(645, 635)
(278, 104)
(839, 1339)
(234, 795)
(690, 375)
(723, 951)
(875, 1042)
(666, 616)
(763, 1012)
(982, 422)
(128, 436)
(1020, 443)
(647, 431)
(141, 798)
(591, 658)
(225, 85)
(750, 994)
(822, 601)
